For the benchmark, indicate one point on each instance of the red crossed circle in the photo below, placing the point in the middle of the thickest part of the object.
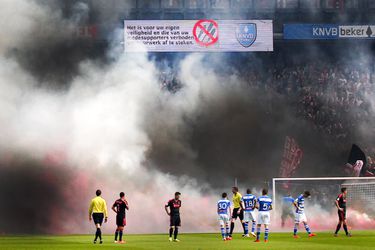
(212, 38)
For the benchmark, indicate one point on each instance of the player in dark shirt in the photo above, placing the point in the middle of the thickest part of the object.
(174, 213)
(119, 207)
(341, 206)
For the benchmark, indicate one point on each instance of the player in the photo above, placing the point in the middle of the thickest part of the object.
(119, 207)
(300, 216)
(264, 205)
(237, 211)
(287, 209)
(248, 203)
(223, 210)
(98, 211)
(341, 206)
(174, 213)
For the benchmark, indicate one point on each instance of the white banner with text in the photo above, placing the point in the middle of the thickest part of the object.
(198, 35)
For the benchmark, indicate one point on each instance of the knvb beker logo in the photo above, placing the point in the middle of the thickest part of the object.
(246, 34)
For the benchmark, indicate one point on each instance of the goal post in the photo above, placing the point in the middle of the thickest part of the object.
(324, 190)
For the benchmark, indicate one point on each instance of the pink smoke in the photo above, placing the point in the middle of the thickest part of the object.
(323, 220)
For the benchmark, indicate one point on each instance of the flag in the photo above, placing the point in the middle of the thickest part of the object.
(356, 164)
(292, 157)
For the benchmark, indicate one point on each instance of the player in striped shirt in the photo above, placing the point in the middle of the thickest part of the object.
(300, 216)
(264, 205)
(224, 213)
(248, 205)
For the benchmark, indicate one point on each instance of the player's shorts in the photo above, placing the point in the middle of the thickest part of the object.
(248, 216)
(175, 221)
(342, 214)
(223, 219)
(120, 220)
(235, 213)
(264, 218)
(300, 217)
(98, 218)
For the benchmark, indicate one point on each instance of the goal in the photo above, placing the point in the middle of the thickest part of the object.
(324, 190)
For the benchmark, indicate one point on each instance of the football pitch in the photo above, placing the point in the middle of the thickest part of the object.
(324, 240)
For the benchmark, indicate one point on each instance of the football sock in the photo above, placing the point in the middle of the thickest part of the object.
(231, 228)
(295, 229)
(170, 232)
(307, 229)
(266, 231)
(120, 233)
(253, 227)
(175, 232)
(258, 232)
(223, 232)
(227, 229)
(346, 229)
(98, 234)
(245, 227)
(338, 228)
(116, 235)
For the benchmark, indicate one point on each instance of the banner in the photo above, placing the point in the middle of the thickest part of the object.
(328, 31)
(292, 157)
(198, 35)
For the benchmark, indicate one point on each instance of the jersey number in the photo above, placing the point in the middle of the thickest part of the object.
(248, 204)
(223, 205)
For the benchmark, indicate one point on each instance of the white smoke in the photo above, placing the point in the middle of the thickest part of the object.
(19, 18)
(99, 125)
(26, 22)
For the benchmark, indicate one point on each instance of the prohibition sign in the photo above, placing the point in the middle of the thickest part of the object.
(206, 32)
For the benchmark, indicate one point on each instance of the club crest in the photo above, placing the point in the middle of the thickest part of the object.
(246, 34)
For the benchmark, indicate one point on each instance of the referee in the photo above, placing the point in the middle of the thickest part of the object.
(237, 211)
(98, 212)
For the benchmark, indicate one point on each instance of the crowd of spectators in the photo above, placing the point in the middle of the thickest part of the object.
(334, 98)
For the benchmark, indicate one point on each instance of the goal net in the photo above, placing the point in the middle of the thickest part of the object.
(320, 208)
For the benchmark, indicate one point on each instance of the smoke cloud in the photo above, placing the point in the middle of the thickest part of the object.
(58, 146)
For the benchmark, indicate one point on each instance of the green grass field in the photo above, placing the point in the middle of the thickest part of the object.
(360, 240)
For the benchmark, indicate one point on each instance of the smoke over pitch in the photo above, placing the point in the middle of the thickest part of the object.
(111, 127)
(57, 147)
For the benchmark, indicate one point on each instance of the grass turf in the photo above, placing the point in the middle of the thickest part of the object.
(324, 240)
